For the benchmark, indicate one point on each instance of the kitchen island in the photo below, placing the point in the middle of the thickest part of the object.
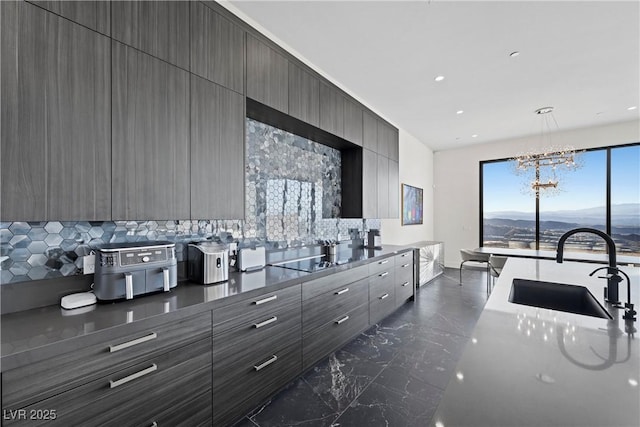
(528, 366)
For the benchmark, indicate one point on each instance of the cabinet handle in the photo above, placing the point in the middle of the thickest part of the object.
(265, 364)
(405, 284)
(114, 348)
(384, 296)
(147, 371)
(383, 274)
(344, 319)
(265, 323)
(264, 300)
(383, 262)
(404, 255)
(344, 291)
(406, 265)
(155, 424)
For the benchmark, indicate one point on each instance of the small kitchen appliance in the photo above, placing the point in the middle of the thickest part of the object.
(250, 259)
(208, 262)
(128, 270)
(374, 239)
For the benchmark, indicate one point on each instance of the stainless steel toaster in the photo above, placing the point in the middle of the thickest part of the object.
(208, 262)
(127, 270)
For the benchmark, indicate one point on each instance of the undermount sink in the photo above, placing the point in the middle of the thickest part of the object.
(556, 296)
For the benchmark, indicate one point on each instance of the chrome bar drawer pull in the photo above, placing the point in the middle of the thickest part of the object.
(405, 284)
(155, 424)
(384, 296)
(265, 300)
(383, 274)
(344, 291)
(383, 262)
(265, 364)
(114, 348)
(344, 319)
(406, 265)
(266, 322)
(118, 383)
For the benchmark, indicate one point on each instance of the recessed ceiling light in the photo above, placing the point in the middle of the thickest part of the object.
(635, 107)
(474, 136)
(514, 54)
(439, 78)
(459, 111)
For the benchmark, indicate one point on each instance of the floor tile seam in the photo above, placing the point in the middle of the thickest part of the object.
(364, 389)
(318, 396)
(420, 380)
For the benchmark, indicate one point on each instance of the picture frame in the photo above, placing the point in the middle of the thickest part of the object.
(412, 205)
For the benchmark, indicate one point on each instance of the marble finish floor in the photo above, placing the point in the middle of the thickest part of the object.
(393, 374)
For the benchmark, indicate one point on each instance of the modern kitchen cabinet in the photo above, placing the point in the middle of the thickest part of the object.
(383, 186)
(304, 95)
(92, 14)
(353, 122)
(382, 297)
(369, 131)
(331, 109)
(256, 351)
(159, 28)
(369, 184)
(119, 378)
(387, 140)
(217, 151)
(394, 189)
(267, 75)
(403, 278)
(217, 48)
(334, 310)
(55, 118)
(150, 137)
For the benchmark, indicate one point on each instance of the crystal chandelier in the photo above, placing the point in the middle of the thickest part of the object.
(542, 168)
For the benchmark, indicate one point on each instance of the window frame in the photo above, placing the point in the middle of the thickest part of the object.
(607, 149)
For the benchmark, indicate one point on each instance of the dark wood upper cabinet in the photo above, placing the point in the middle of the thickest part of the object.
(387, 140)
(217, 48)
(267, 75)
(150, 144)
(56, 108)
(331, 109)
(159, 28)
(394, 189)
(383, 186)
(369, 131)
(92, 14)
(352, 122)
(304, 95)
(217, 151)
(370, 182)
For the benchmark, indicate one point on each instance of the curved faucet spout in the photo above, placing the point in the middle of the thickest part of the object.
(611, 292)
(611, 246)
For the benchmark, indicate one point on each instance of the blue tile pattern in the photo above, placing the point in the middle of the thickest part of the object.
(292, 199)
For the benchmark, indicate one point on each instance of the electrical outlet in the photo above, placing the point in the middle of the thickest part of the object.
(89, 264)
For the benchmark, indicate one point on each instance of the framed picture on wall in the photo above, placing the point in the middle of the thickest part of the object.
(412, 210)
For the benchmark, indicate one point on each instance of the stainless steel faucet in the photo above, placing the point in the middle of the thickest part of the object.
(611, 292)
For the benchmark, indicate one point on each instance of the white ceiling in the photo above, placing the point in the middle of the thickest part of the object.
(581, 57)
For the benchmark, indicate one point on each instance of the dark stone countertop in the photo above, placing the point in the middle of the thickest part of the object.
(34, 329)
(526, 366)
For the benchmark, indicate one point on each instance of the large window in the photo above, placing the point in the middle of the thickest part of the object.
(603, 194)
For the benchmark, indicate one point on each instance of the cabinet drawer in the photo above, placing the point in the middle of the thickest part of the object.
(245, 383)
(278, 328)
(136, 395)
(381, 283)
(251, 309)
(404, 291)
(334, 334)
(381, 300)
(404, 274)
(404, 258)
(40, 380)
(324, 308)
(381, 265)
(329, 283)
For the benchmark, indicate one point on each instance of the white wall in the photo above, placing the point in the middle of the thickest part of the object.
(457, 179)
(416, 169)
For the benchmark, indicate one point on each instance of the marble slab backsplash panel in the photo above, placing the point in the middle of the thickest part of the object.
(293, 195)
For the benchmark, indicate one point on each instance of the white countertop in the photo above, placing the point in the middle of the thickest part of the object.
(526, 366)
